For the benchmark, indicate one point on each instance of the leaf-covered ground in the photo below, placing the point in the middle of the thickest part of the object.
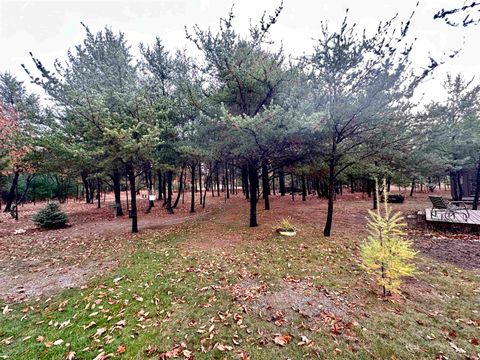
(211, 288)
(35, 262)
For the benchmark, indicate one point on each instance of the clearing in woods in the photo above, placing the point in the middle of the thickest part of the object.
(206, 286)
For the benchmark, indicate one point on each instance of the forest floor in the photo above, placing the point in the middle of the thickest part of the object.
(35, 262)
(206, 286)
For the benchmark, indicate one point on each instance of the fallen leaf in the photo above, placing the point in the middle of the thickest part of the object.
(150, 350)
(282, 340)
(456, 348)
(174, 352)
(305, 341)
(85, 327)
(7, 341)
(99, 332)
(121, 349)
(243, 355)
(222, 347)
(101, 356)
(64, 324)
(474, 341)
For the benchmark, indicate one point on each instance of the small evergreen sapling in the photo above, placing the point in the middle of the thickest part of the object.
(386, 254)
(50, 217)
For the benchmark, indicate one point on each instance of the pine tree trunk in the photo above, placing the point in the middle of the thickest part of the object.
(16, 203)
(86, 186)
(169, 192)
(22, 198)
(477, 188)
(281, 182)
(234, 180)
(208, 180)
(99, 198)
(331, 194)
(413, 187)
(212, 183)
(180, 190)
(151, 203)
(133, 196)
(11, 193)
(204, 197)
(192, 202)
(227, 188)
(292, 186)
(369, 187)
(265, 185)
(117, 191)
(273, 184)
(164, 188)
(126, 194)
(160, 185)
(243, 173)
(185, 186)
(200, 181)
(247, 185)
(92, 190)
(253, 179)
(304, 189)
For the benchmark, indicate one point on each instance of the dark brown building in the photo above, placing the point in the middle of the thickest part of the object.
(467, 179)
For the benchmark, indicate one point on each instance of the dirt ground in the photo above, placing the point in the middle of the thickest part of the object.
(462, 251)
(36, 263)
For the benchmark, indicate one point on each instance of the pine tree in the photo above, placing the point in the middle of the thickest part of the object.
(50, 217)
(386, 254)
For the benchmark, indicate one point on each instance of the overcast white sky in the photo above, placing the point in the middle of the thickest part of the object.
(49, 28)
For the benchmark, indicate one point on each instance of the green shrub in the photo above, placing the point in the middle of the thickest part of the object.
(50, 217)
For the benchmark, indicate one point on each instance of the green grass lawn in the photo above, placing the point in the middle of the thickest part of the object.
(301, 297)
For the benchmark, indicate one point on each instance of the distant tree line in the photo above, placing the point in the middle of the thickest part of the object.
(239, 115)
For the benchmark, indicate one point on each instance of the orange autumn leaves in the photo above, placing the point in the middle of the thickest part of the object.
(11, 147)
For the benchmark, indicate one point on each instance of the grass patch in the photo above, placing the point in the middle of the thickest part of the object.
(217, 303)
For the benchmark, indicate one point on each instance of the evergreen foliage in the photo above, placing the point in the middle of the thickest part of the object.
(50, 217)
(386, 254)
(340, 114)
